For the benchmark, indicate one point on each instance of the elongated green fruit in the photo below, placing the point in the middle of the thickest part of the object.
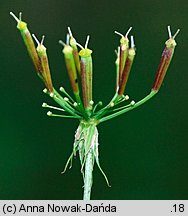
(127, 68)
(165, 60)
(86, 75)
(41, 50)
(75, 50)
(124, 46)
(28, 40)
(71, 67)
(117, 67)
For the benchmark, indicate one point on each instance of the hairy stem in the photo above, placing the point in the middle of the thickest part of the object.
(86, 144)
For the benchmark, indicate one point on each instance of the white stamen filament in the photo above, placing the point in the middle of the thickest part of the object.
(80, 45)
(176, 33)
(42, 41)
(132, 42)
(67, 39)
(118, 53)
(15, 17)
(87, 41)
(35, 38)
(37, 41)
(116, 32)
(20, 16)
(126, 35)
(62, 43)
(70, 33)
(169, 32)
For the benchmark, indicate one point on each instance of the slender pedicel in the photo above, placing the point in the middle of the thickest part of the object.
(60, 100)
(49, 113)
(41, 50)
(137, 104)
(28, 40)
(132, 103)
(99, 104)
(45, 105)
(122, 99)
(63, 91)
(165, 60)
(68, 101)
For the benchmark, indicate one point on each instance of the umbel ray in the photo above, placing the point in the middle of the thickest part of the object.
(81, 107)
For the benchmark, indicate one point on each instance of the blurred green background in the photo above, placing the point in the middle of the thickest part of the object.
(145, 152)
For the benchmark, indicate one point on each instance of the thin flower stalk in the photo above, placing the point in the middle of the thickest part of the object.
(90, 114)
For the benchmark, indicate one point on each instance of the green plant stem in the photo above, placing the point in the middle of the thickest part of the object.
(60, 100)
(102, 111)
(88, 176)
(80, 105)
(152, 93)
